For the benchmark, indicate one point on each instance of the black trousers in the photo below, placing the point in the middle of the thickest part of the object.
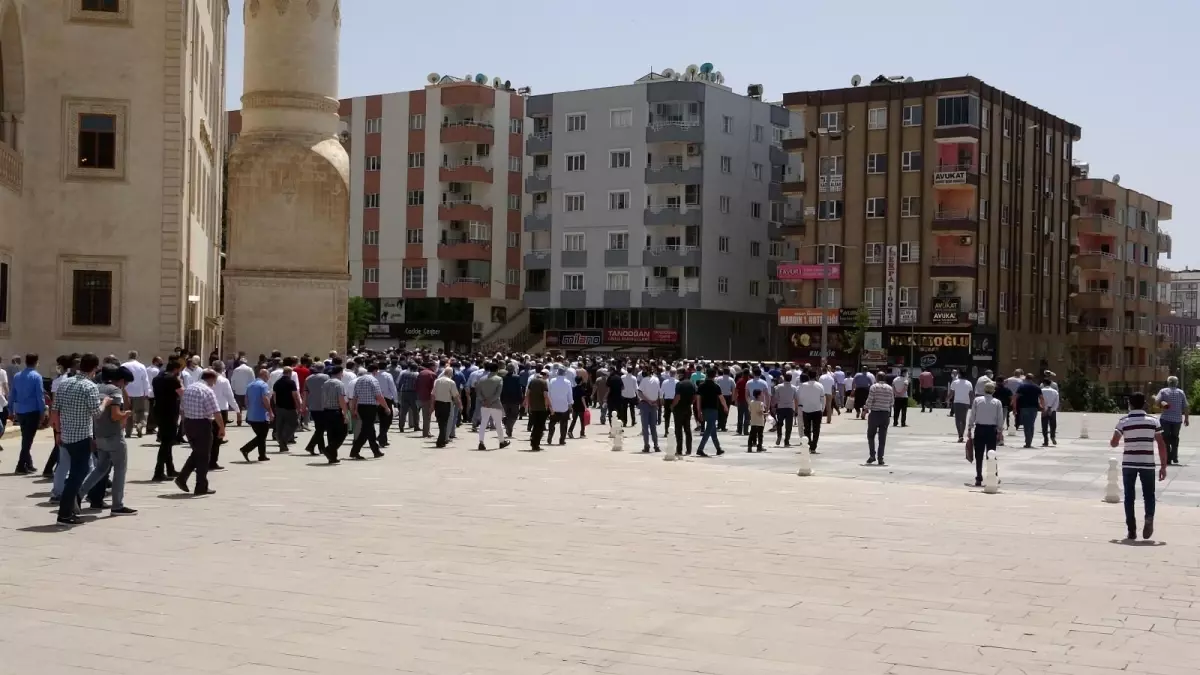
(617, 405)
(318, 438)
(723, 416)
(385, 421)
(441, 413)
(812, 428)
(199, 434)
(900, 411)
(259, 441)
(984, 438)
(755, 439)
(1170, 435)
(783, 428)
(165, 463)
(1050, 431)
(367, 414)
(537, 427)
(683, 430)
(335, 426)
(512, 411)
(217, 442)
(558, 419)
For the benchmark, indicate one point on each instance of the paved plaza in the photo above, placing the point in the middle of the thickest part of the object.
(582, 560)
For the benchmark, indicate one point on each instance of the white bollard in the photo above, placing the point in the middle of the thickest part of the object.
(1010, 430)
(617, 432)
(1083, 432)
(1112, 491)
(991, 477)
(669, 456)
(805, 464)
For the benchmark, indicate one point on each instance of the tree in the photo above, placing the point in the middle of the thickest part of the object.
(852, 341)
(1083, 395)
(359, 314)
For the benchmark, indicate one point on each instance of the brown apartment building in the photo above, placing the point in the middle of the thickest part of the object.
(1123, 293)
(943, 207)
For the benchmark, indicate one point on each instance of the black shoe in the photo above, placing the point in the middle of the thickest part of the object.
(97, 506)
(505, 444)
(1148, 530)
(73, 520)
(209, 491)
(481, 447)
(700, 453)
(159, 478)
(646, 449)
(881, 462)
(720, 452)
(1027, 446)
(1131, 535)
(871, 459)
(334, 460)
(358, 457)
(216, 467)
(978, 482)
(182, 485)
(246, 454)
(656, 449)
(562, 442)
(24, 470)
(377, 454)
(264, 458)
(123, 511)
(172, 473)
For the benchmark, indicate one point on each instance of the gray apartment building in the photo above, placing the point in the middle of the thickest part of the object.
(654, 208)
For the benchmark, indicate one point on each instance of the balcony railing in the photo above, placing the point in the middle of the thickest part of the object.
(481, 162)
(681, 286)
(672, 248)
(692, 163)
(541, 172)
(969, 168)
(466, 123)
(657, 123)
(830, 183)
(954, 214)
(11, 168)
(954, 261)
(462, 239)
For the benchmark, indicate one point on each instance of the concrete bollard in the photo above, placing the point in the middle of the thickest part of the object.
(991, 476)
(617, 432)
(668, 455)
(1112, 491)
(1010, 430)
(805, 464)
(1083, 431)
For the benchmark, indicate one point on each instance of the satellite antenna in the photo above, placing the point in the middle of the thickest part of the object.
(691, 70)
(481, 79)
(668, 73)
(1117, 178)
(856, 80)
(508, 85)
(908, 79)
(497, 82)
(718, 77)
(433, 78)
(706, 68)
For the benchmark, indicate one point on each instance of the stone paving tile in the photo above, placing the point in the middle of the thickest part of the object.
(580, 560)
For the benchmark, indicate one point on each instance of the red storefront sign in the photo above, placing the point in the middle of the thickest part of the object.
(660, 336)
(792, 271)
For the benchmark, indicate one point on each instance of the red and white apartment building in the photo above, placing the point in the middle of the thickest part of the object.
(436, 206)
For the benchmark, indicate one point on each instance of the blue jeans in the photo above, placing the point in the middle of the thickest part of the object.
(743, 418)
(1131, 476)
(1027, 417)
(710, 429)
(649, 423)
(455, 412)
(77, 459)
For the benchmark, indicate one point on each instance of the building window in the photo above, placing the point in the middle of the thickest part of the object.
(415, 236)
(877, 118)
(1003, 258)
(618, 281)
(101, 5)
(985, 119)
(727, 124)
(724, 203)
(91, 298)
(873, 252)
(514, 202)
(621, 118)
(877, 162)
(618, 241)
(573, 202)
(910, 207)
(876, 207)
(416, 122)
(619, 200)
(907, 296)
(572, 282)
(754, 289)
(416, 197)
(371, 201)
(831, 122)
(573, 241)
(416, 160)
(618, 159)
(723, 285)
(514, 163)
(1046, 265)
(755, 210)
(983, 209)
(415, 278)
(756, 171)
(100, 11)
(1005, 214)
(872, 297)
(97, 141)
(910, 160)
(95, 138)
(755, 249)
(832, 165)
(514, 240)
(512, 277)
(375, 125)
(371, 237)
(5, 268)
(775, 249)
(981, 300)
(1002, 303)
(910, 251)
(757, 134)
(577, 122)
(983, 253)
(1006, 126)
(726, 164)
(576, 161)
(829, 209)
(832, 297)
(913, 115)
(723, 244)
(1049, 144)
(373, 163)
(370, 275)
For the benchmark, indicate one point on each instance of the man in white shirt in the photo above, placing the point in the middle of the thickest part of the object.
(813, 404)
(829, 383)
(136, 391)
(900, 409)
(561, 397)
(667, 389)
(1050, 397)
(649, 392)
(226, 402)
(191, 374)
(961, 396)
(239, 379)
(629, 385)
(982, 382)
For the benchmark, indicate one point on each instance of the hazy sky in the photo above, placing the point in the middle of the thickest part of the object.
(1117, 69)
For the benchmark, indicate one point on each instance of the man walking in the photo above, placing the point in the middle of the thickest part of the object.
(314, 400)
(136, 389)
(76, 404)
(388, 387)
(111, 452)
(629, 394)
(445, 397)
(1143, 436)
(1174, 415)
(961, 395)
(1026, 403)
(27, 403)
(862, 384)
(648, 392)
(488, 389)
(510, 398)
(900, 407)
(681, 408)
(406, 389)
(984, 422)
(424, 388)
(167, 392)
(258, 416)
(878, 406)
(711, 405)
(333, 410)
(227, 402)
(200, 411)
(727, 385)
(561, 392)
(786, 400)
(285, 395)
(925, 380)
(368, 403)
(1050, 399)
(240, 379)
(814, 403)
(537, 403)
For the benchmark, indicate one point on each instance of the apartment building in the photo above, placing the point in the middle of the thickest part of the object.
(1122, 291)
(942, 207)
(1182, 322)
(654, 207)
(435, 217)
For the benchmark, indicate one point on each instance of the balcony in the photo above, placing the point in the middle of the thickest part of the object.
(539, 220)
(955, 175)
(1096, 223)
(795, 140)
(793, 226)
(690, 130)
(573, 259)
(671, 255)
(672, 173)
(672, 214)
(956, 133)
(794, 187)
(672, 294)
(536, 298)
(830, 183)
(617, 299)
(462, 209)
(1095, 336)
(955, 220)
(1097, 260)
(465, 248)
(469, 170)
(465, 287)
(537, 260)
(1094, 299)
(11, 168)
(774, 230)
(953, 266)
(468, 132)
(616, 257)
(572, 299)
(468, 94)
(539, 180)
(538, 143)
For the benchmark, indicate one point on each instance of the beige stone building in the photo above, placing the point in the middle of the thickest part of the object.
(110, 174)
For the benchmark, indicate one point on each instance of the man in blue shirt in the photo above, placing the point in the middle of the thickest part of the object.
(27, 404)
(258, 415)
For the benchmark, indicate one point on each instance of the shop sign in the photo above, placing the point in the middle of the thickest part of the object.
(641, 336)
(807, 344)
(379, 330)
(808, 316)
(892, 279)
(945, 311)
(873, 352)
(924, 341)
(417, 332)
(848, 316)
(792, 271)
(391, 310)
(580, 339)
(908, 316)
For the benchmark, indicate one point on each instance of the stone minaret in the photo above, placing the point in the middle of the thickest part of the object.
(286, 275)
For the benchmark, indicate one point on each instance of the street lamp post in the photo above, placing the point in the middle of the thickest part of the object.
(824, 303)
(827, 174)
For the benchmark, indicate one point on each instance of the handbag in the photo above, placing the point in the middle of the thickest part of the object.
(587, 416)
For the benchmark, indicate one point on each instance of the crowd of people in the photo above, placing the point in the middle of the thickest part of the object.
(94, 406)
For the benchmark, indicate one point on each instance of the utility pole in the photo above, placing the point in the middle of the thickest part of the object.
(827, 174)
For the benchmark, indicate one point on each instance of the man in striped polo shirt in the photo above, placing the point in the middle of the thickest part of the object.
(1143, 436)
(1174, 415)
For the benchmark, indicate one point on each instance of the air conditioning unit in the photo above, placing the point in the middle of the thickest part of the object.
(965, 240)
(455, 187)
(947, 288)
(693, 149)
(540, 198)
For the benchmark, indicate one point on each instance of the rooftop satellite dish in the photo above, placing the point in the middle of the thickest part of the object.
(668, 73)
(1116, 178)
(908, 79)
(692, 69)
(718, 77)
(480, 78)
(433, 78)
(508, 85)
(497, 82)
(856, 80)
(706, 68)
